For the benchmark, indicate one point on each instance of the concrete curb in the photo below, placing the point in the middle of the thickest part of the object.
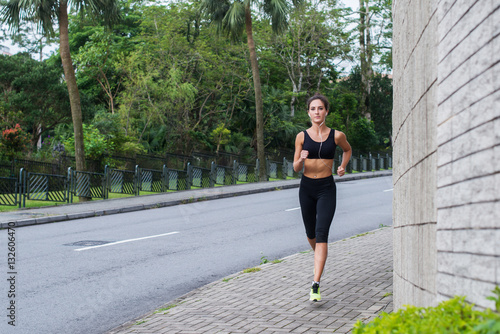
(187, 196)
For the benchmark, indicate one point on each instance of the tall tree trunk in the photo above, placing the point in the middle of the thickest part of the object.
(74, 96)
(365, 57)
(259, 106)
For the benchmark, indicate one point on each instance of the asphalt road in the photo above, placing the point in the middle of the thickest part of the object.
(92, 275)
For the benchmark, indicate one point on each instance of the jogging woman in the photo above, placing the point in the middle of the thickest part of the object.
(315, 151)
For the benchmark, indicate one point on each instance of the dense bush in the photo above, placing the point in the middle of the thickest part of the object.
(13, 141)
(451, 316)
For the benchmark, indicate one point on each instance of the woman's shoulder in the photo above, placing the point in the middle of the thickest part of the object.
(338, 134)
(339, 137)
(300, 137)
(301, 134)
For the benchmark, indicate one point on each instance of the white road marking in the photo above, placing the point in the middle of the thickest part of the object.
(293, 209)
(388, 190)
(124, 241)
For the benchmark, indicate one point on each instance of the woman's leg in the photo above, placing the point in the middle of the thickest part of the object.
(320, 255)
(312, 242)
(326, 206)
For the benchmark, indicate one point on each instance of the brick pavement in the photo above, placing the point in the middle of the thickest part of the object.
(356, 285)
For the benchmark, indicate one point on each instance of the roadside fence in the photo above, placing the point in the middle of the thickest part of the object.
(16, 188)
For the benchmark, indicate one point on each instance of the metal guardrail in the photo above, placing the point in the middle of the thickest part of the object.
(59, 188)
(222, 175)
(151, 180)
(9, 191)
(177, 179)
(122, 181)
(87, 184)
(46, 187)
(200, 177)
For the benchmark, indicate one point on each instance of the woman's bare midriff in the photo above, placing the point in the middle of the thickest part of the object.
(317, 168)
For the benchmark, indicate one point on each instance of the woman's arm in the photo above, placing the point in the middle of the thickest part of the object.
(341, 141)
(300, 155)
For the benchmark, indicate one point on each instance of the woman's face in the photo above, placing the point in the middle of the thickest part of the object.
(317, 111)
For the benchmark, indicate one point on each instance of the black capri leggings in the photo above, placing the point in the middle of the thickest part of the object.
(318, 200)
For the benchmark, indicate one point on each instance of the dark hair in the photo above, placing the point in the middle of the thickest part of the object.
(323, 99)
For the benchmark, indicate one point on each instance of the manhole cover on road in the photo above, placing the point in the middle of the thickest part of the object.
(88, 243)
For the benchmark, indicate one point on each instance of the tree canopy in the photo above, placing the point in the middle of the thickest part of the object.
(164, 79)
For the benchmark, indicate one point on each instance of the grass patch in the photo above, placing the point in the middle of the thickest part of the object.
(360, 235)
(251, 270)
(264, 260)
(387, 294)
(168, 307)
(225, 280)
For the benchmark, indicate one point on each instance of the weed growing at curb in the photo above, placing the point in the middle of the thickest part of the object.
(387, 294)
(140, 322)
(251, 270)
(168, 307)
(360, 235)
(263, 259)
(225, 280)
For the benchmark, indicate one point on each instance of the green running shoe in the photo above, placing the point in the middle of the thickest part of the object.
(315, 296)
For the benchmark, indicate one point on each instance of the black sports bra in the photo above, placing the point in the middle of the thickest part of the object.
(327, 147)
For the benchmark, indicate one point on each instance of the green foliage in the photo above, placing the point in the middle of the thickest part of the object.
(381, 108)
(33, 94)
(129, 147)
(496, 298)
(96, 144)
(13, 141)
(362, 135)
(451, 316)
(221, 136)
(162, 80)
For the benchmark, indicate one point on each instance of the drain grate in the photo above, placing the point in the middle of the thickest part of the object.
(88, 243)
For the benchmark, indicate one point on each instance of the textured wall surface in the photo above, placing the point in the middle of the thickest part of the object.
(446, 128)
(415, 151)
(468, 138)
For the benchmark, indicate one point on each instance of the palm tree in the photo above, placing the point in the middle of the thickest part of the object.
(233, 16)
(45, 13)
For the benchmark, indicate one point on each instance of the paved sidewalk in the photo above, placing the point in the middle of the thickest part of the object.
(357, 285)
(50, 214)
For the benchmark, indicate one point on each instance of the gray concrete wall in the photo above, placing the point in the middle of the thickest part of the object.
(446, 128)
(415, 151)
(468, 138)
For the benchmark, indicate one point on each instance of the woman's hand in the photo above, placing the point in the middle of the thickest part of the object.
(340, 171)
(303, 155)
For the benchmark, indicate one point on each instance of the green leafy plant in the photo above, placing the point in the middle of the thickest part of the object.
(96, 144)
(496, 299)
(451, 316)
(251, 270)
(360, 235)
(263, 259)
